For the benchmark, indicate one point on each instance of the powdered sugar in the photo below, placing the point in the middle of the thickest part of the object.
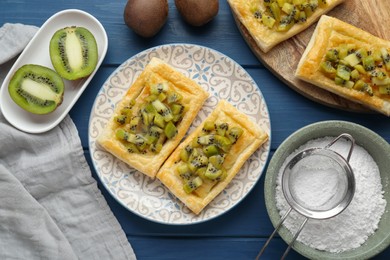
(354, 225)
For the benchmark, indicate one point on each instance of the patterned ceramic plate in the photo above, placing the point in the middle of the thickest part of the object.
(224, 79)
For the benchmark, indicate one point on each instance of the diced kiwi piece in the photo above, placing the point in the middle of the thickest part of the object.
(192, 185)
(159, 120)
(217, 160)
(208, 126)
(206, 139)
(120, 119)
(368, 63)
(275, 10)
(184, 171)
(122, 134)
(184, 155)
(212, 172)
(221, 128)
(385, 58)
(163, 110)
(327, 67)
(343, 51)
(343, 72)
(170, 130)
(368, 89)
(322, 3)
(302, 17)
(285, 24)
(134, 122)
(268, 21)
(384, 90)
(360, 68)
(359, 85)
(173, 97)
(200, 161)
(222, 176)
(131, 148)
(352, 59)
(380, 82)
(287, 8)
(234, 133)
(177, 109)
(381, 74)
(223, 142)
(36, 89)
(355, 75)
(211, 150)
(332, 55)
(158, 88)
(73, 52)
(155, 147)
(344, 83)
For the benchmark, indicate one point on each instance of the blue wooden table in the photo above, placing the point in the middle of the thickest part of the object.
(241, 232)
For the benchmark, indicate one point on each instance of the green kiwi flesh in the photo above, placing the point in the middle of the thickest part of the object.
(36, 89)
(204, 157)
(73, 52)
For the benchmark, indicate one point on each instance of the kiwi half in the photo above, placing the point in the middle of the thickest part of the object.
(36, 88)
(73, 52)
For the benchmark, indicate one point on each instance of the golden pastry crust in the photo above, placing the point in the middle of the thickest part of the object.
(265, 37)
(252, 138)
(331, 32)
(156, 71)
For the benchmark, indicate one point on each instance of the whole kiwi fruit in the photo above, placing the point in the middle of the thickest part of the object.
(146, 17)
(36, 89)
(197, 12)
(73, 52)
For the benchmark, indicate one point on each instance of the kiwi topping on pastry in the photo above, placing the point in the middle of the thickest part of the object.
(281, 15)
(155, 122)
(201, 162)
(358, 68)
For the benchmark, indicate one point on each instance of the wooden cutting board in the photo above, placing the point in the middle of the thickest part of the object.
(370, 15)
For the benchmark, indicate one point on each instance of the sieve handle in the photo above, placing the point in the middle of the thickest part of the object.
(276, 229)
(273, 233)
(295, 238)
(346, 136)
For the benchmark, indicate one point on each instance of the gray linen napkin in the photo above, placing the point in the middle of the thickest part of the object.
(50, 205)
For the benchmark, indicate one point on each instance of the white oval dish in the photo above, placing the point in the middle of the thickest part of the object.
(37, 52)
(223, 78)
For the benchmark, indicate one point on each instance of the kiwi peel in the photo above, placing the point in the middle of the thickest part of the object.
(36, 89)
(73, 52)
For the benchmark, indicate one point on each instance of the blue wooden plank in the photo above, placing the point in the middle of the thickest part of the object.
(123, 42)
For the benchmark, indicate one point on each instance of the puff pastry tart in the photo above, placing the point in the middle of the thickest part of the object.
(209, 158)
(350, 62)
(270, 22)
(152, 117)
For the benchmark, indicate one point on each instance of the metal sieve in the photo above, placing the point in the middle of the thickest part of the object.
(333, 176)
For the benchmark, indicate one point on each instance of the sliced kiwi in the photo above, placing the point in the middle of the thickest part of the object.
(73, 52)
(281, 15)
(360, 69)
(205, 155)
(156, 120)
(36, 88)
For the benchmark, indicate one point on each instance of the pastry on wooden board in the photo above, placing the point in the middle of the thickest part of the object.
(349, 62)
(211, 156)
(152, 117)
(270, 22)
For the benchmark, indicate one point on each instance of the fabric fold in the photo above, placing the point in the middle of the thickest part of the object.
(50, 205)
